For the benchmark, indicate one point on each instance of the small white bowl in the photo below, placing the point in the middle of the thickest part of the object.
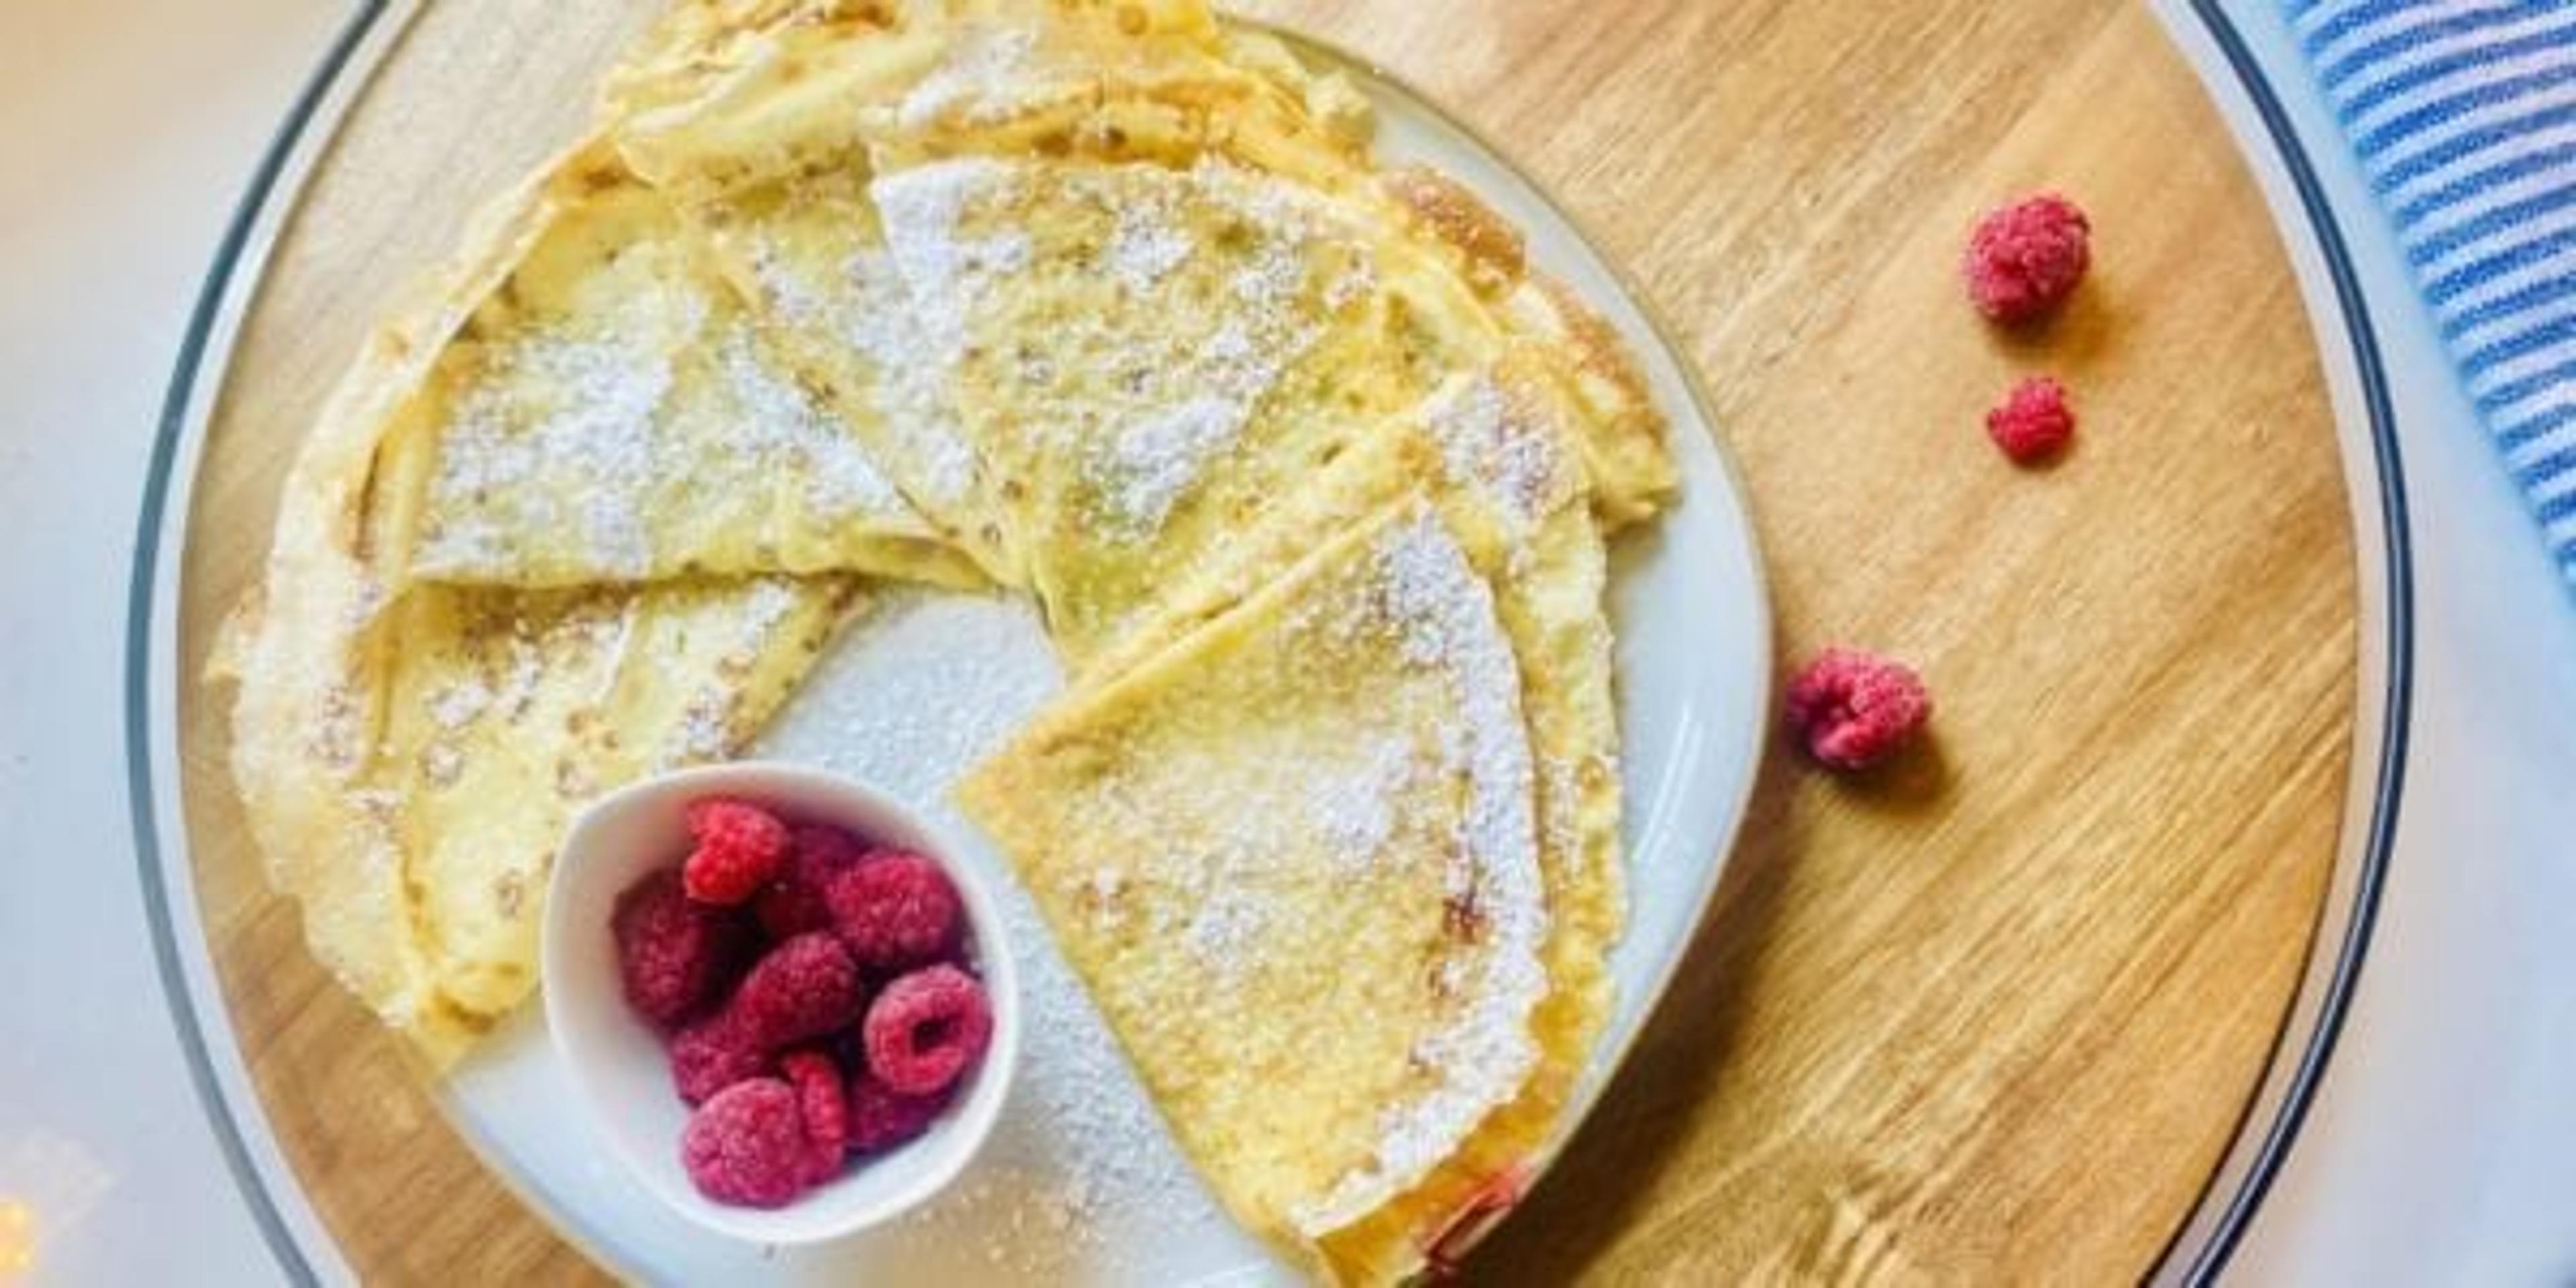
(619, 1066)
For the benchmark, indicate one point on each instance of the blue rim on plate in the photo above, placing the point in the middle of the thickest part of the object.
(2268, 1144)
(2265, 1143)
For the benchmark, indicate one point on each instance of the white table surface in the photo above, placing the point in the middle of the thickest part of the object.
(2443, 1148)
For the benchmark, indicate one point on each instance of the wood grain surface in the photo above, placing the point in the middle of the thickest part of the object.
(1991, 1014)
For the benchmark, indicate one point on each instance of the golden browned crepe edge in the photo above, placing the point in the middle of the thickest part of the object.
(1632, 470)
(1369, 1251)
(1580, 842)
(299, 649)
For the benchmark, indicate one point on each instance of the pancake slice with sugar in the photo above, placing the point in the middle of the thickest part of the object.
(793, 230)
(406, 750)
(410, 796)
(809, 253)
(1499, 445)
(764, 119)
(507, 711)
(416, 822)
(609, 413)
(802, 106)
(1153, 357)
(1294, 858)
(1177, 86)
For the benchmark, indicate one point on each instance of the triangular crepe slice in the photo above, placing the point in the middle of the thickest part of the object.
(1152, 356)
(509, 711)
(767, 138)
(1499, 444)
(791, 85)
(608, 412)
(1173, 84)
(364, 703)
(807, 252)
(756, 117)
(419, 817)
(1294, 859)
(307, 650)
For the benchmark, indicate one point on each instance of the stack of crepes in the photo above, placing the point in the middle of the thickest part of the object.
(1106, 302)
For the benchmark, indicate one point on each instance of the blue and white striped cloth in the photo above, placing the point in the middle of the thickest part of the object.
(2463, 113)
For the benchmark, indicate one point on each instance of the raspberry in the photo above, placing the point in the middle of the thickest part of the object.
(926, 1029)
(794, 904)
(1851, 709)
(2033, 421)
(805, 986)
(739, 848)
(882, 1117)
(674, 955)
(713, 1054)
(747, 1145)
(2025, 259)
(895, 910)
(826, 1109)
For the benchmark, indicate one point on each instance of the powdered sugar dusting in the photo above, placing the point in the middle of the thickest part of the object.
(1446, 616)
(1488, 443)
(927, 685)
(1355, 809)
(1226, 928)
(1142, 472)
(781, 427)
(869, 309)
(711, 725)
(1080, 1172)
(455, 705)
(924, 210)
(928, 283)
(583, 425)
(1148, 466)
(561, 406)
(1146, 244)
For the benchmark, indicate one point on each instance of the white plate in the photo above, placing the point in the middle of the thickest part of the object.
(1080, 1183)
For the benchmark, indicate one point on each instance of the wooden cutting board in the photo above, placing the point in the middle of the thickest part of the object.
(1991, 1015)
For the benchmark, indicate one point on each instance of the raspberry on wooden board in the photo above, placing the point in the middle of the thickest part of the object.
(2033, 422)
(1850, 709)
(2024, 259)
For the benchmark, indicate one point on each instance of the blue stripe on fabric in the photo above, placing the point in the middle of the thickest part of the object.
(2477, 182)
(2492, 238)
(2342, 69)
(2546, 468)
(2349, 21)
(2431, 70)
(2548, 290)
(2523, 343)
(2496, 220)
(2515, 436)
(2451, 107)
(2486, 268)
(2511, 392)
(2442, 154)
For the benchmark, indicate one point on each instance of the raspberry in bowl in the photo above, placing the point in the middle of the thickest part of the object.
(786, 1000)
